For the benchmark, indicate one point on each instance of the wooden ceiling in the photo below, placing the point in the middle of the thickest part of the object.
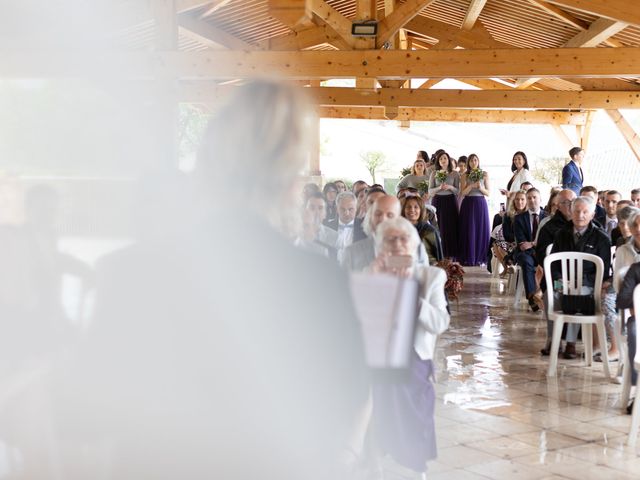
(533, 61)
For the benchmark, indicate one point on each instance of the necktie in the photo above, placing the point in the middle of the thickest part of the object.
(534, 226)
(610, 226)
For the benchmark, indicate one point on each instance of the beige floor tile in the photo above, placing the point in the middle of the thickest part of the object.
(504, 447)
(587, 432)
(508, 470)
(462, 456)
(620, 422)
(456, 475)
(546, 440)
(544, 419)
(465, 433)
(584, 414)
(505, 426)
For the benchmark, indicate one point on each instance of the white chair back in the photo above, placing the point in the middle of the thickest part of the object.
(572, 268)
(547, 252)
(636, 306)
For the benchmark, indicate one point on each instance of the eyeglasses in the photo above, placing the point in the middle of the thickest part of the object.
(565, 202)
(397, 238)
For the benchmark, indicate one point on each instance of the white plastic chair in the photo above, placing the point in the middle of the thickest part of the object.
(635, 418)
(572, 267)
(496, 267)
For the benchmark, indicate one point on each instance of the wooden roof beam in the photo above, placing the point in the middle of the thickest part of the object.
(208, 34)
(620, 10)
(458, 115)
(304, 39)
(402, 97)
(570, 19)
(292, 13)
(212, 7)
(309, 65)
(329, 15)
(390, 24)
(599, 31)
(627, 131)
(473, 12)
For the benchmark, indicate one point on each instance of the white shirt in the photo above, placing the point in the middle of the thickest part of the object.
(345, 238)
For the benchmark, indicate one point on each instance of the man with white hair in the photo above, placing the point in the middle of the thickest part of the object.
(582, 235)
(360, 255)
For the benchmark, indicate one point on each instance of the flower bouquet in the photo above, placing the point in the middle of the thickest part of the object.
(475, 175)
(423, 187)
(455, 277)
(405, 171)
(441, 176)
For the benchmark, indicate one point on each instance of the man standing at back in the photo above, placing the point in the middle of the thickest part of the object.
(572, 177)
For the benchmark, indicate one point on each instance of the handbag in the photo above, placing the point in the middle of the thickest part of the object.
(578, 304)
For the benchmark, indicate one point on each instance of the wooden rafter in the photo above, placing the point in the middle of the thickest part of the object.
(621, 10)
(599, 31)
(329, 15)
(209, 34)
(627, 131)
(458, 115)
(569, 19)
(563, 137)
(212, 7)
(390, 25)
(473, 12)
(304, 39)
(293, 13)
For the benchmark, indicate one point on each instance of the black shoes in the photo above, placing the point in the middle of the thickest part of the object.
(570, 351)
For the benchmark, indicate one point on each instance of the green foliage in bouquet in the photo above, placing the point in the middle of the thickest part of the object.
(423, 187)
(441, 176)
(405, 171)
(475, 175)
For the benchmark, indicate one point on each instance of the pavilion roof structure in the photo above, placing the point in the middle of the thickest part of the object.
(526, 61)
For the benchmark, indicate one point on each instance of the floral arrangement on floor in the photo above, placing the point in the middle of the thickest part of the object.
(441, 176)
(475, 175)
(455, 277)
(405, 171)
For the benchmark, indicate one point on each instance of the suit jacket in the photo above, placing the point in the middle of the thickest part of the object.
(600, 217)
(522, 226)
(594, 241)
(548, 233)
(359, 255)
(572, 177)
(358, 232)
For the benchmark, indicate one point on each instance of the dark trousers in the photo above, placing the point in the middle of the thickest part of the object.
(527, 262)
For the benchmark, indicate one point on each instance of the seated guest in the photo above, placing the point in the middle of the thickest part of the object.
(561, 219)
(340, 185)
(504, 245)
(360, 254)
(582, 235)
(611, 200)
(344, 224)
(550, 209)
(413, 209)
(316, 236)
(625, 301)
(330, 191)
(525, 228)
(360, 191)
(308, 190)
(403, 411)
(616, 233)
(624, 224)
(635, 197)
(592, 192)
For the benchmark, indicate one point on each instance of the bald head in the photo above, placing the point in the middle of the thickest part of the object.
(565, 197)
(385, 207)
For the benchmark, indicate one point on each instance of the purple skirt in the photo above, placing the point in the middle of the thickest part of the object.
(447, 210)
(403, 417)
(474, 231)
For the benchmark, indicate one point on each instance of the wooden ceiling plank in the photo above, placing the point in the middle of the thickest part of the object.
(599, 31)
(621, 10)
(213, 7)
(473, 12)
(292, 13)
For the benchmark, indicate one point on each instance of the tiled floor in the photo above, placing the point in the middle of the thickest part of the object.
(498, 415)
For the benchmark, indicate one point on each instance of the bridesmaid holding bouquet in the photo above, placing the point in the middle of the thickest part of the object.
(444, 185)
(474, 214)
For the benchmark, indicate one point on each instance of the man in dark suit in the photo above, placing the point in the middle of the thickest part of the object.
(525, 229)
(572, 176)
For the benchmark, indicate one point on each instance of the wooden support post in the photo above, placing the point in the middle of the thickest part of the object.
(586, 130)
(627, 131)
(314, 155)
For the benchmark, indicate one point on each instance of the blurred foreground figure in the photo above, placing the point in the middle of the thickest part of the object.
(210, 355)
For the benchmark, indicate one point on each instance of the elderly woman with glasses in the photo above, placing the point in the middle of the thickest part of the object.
(403, 412)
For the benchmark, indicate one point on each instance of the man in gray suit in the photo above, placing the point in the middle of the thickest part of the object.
(359, 255)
